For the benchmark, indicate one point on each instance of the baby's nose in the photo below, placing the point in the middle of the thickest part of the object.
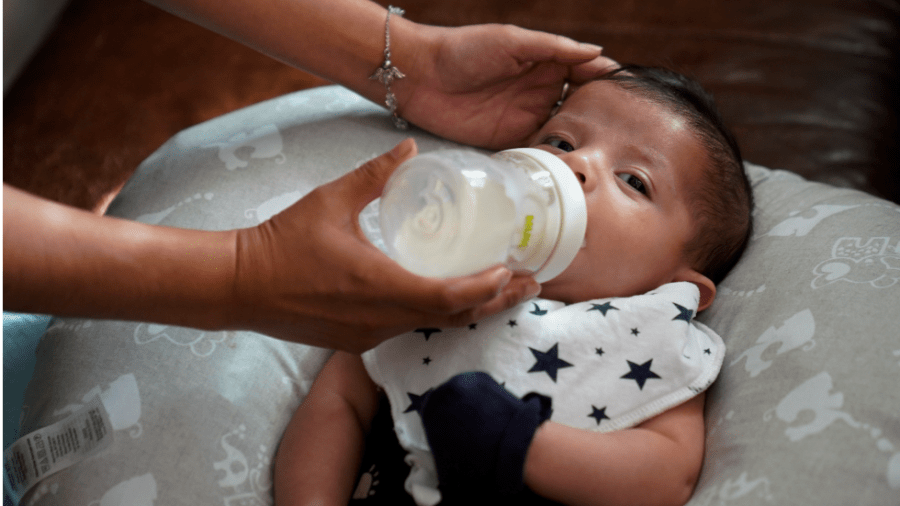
(582, 170)
(581, 176)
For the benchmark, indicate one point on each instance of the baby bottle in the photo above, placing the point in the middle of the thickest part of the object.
(455, 212)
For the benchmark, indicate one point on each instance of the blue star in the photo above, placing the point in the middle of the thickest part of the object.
(603, 308)
(416, 401)
(427, 332)
(548, 361)
(598, 414)
(641, 373)
(635, 331)
(707, 351)
(426, 360)
(512, 323)
(537, 310)
(472, 326)
(684, 313)
(600, 351)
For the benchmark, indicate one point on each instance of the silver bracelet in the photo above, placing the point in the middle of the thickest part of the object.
(386, 73)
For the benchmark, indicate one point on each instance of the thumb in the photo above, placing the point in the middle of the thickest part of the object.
(366, 183)
(588, 71)
(542, 46)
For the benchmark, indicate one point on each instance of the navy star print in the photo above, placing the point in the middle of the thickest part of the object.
(684, 313)
(537, 310)
(416, 401)
(641, 373)
(548, 361)
(427, 332)
(648, 334)
(598, 414)
(603, 308)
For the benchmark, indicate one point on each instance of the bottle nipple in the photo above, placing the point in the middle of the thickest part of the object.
(429, 219)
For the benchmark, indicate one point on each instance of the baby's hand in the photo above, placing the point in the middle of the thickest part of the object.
(479, 434)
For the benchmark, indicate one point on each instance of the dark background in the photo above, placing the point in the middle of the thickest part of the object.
(806, 85)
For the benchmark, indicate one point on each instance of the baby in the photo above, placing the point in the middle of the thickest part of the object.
(603, 378)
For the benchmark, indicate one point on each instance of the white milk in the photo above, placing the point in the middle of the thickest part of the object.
(440, 231)
(453, 213)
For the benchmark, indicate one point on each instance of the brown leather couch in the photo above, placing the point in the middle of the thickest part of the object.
(807, 85)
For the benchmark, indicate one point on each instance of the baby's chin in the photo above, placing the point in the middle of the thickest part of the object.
(571, 291)
(562, 291)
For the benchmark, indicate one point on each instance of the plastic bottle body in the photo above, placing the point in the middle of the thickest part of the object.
(452, 213)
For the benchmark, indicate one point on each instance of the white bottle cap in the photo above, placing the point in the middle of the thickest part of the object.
(573, 211)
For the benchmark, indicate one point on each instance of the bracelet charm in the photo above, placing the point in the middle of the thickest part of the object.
(386, 74)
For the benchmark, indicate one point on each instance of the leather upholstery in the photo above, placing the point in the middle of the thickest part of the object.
(806, 85)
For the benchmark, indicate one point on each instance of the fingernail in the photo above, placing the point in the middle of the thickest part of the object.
(403, 149)
(506, 276)
(594, 47)
(533, 291)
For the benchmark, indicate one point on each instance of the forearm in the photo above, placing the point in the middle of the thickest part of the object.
(656, 463)
(485, 85)
(68, 262)
(319, 456)
(307, 34)
(587, 468)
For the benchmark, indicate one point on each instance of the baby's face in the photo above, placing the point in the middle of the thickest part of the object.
(636, 161)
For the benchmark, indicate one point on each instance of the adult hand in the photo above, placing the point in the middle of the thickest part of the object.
(309, 274)
(490, 85)
(485, 85)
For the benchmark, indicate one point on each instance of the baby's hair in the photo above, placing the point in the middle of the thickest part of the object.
(724, 199)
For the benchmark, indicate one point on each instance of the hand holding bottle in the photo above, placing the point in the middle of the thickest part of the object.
(322, 282)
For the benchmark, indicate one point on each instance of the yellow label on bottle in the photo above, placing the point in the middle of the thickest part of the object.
(526, 232)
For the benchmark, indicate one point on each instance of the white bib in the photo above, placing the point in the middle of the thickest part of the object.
(607, 364)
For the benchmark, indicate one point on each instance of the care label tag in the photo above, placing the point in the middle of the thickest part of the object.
(56, 447)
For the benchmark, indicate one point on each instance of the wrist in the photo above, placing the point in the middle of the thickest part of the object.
(247, 296)
(480, 434)
(534, 471)
(224, 315)
(517, 440)
(412, 49)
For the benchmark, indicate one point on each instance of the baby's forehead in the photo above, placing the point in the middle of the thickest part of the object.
(598, 100)
(615, 90)
(597, 92)
(595, 87)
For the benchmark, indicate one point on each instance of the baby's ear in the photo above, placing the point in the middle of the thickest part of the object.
(704, 284)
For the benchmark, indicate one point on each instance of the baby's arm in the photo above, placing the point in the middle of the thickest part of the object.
(655, 463)
(322, 447)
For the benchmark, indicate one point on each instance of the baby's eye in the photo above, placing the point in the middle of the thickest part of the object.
(633, 181)
(561, 145)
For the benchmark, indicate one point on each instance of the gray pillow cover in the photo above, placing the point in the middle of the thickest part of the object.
(806, 410)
